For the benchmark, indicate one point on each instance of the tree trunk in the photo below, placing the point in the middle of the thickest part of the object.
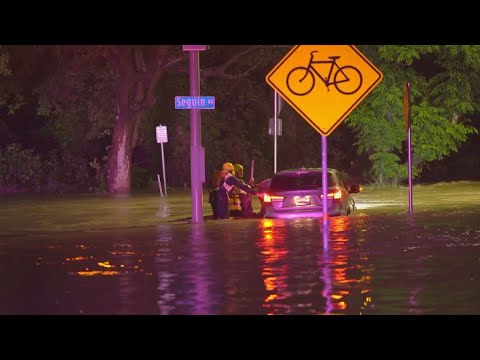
(137, 78)
(119, 161)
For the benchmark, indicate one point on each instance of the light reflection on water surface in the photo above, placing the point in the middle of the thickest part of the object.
(372, 265)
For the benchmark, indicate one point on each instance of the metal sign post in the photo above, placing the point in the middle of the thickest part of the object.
(324, 182)
(196, 153)
(271, 128)
(164, 177)
(275, 124)
(252, 167)
(408, 124)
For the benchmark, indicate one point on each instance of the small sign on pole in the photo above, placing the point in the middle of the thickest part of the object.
(162, 136)
(271, 126)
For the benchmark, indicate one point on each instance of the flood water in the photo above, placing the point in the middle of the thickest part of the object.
(371, 263)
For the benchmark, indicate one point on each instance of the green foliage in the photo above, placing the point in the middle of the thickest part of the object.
(4, 68)
(386, 169)
(24, 170)
(441, 99)
(460, 56)
(80, 100)
(20, 168)
(405, 54)
(434, 136)
(379, 125)
(10, 91)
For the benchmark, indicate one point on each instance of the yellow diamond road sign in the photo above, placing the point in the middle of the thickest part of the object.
(324, 83)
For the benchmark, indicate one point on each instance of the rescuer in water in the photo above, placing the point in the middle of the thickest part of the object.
(226, 184)
(245, 198)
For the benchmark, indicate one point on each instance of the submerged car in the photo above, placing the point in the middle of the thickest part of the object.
(298, 193)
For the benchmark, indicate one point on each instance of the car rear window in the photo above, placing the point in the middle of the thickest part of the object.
(299, 181)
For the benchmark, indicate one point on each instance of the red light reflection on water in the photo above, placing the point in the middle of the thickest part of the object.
(339, 285)
(338, 266)
(274, 265)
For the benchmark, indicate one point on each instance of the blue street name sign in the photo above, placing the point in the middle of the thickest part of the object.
(194, 102)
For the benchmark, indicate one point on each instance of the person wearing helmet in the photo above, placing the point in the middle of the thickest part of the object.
(245, 198)
(216, 178)
(227, 183)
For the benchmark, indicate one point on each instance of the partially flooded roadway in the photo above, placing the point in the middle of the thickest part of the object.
(140, 255)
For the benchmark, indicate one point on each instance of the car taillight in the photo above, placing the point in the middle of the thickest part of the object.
(335, 195)
(269, 198)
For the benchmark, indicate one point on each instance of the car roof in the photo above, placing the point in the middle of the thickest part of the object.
(303, 169)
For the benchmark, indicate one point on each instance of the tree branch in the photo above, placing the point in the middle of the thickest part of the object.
(220, 71)
(168, 65)
(161, 67)
(149, 98)
(152, 77)
(174, 61)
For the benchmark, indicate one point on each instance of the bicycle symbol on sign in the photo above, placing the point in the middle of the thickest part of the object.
(346, 79)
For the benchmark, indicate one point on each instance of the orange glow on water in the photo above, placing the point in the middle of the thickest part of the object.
(270, 297)
(76, 258)
(97, 272)
(266, 223)
(342, 305)
(105, 264)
